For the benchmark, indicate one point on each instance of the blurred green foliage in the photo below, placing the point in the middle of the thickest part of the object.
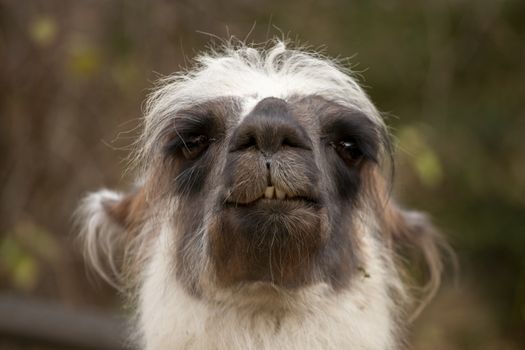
(423, 159)
(43, 30)
(18, 265)
(447, 74)
(22, 251)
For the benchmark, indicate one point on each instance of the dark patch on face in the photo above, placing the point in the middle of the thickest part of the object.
(193, 143)
(350, 126)
(340, 257)
(188, 224)
(187, 177)
(297, 146)
(339, 125)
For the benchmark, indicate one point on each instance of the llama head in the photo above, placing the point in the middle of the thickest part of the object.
(258, 167)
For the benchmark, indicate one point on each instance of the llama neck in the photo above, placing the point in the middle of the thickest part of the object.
(316, 317)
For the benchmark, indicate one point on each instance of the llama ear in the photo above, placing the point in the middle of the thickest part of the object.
(106, 219)
(128, 210)
(414, 232)
(412, 229)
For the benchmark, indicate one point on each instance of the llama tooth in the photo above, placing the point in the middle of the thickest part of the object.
(269, 192)
(279, 194)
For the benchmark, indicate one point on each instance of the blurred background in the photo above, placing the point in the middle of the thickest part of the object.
(448, 75)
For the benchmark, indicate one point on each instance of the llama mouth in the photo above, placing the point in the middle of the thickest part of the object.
(272, 195)
(272, 239)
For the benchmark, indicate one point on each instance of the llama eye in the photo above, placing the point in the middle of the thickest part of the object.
(195, 146)
(348, 150)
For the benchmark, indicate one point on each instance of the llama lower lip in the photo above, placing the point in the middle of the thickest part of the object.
(284, 203)
(289, 201)
(266, 210)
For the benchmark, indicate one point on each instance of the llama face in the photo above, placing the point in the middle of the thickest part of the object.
(260, 189)
(269, 195)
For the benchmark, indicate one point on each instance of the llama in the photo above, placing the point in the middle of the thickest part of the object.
(261, 216)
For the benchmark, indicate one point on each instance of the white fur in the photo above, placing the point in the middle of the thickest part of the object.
(100, 234)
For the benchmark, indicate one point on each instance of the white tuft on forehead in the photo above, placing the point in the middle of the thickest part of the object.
(251, 74)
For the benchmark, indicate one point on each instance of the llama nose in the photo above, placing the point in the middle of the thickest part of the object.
(270, 127)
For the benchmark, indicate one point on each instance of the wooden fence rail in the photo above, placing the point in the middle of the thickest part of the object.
(39, 321)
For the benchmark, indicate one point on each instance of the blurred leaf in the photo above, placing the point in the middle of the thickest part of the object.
(19, 265)
(43, 30)
(410, 139)
(25, 275)
(21, 251)
(10, 252)
(84, 60)
(429, 168)
(422, 157)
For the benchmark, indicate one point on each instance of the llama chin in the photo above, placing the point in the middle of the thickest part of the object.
(262, 216)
